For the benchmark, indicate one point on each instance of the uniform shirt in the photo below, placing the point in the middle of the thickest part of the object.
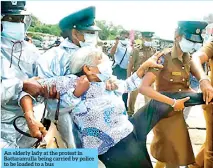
(139, 56)
(23, 66)
(121, 49)
(208, 49)
(55, 62)
(174, 76)
(99, 114)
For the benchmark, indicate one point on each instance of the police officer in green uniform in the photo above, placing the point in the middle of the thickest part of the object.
(137, 57)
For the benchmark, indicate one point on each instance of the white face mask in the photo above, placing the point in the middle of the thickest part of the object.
(90, 40)
(105, 69)
(126, 41)
(148, 43)
(12, 30)
(188, 46)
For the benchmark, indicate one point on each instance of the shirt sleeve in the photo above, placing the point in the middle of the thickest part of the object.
(156, 71)
(128, 85)
(135, 54)
(10, 89)
(208, 49)
(54, 62)
(66, 86)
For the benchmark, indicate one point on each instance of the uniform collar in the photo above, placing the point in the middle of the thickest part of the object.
(175, 55)
(68, 44)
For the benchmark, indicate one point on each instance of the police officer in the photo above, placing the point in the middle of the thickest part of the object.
(120, 52)
(18, 64)
(205, 156)
(79, 30)
(171, 143)
(139, 56)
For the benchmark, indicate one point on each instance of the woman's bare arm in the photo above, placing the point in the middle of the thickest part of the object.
(147, 90)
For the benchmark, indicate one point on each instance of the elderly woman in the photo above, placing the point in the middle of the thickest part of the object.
(100, 114)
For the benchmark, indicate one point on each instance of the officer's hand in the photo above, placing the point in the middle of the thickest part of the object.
(36, 128)
(207, 89)
(152, 62)
(179, 105)
(32, 87)
(51, 94)
(110, 85)
(82, 86)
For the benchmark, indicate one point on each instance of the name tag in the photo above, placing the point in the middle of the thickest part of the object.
(176, 73)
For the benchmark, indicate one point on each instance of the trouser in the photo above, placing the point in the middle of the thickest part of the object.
(121, 74)
(132, 99)
(205, 156)
(131, 152)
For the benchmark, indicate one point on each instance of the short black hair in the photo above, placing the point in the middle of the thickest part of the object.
(67, 34)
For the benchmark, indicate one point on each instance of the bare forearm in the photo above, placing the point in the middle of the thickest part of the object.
(150, 92)
(113, 50)
(27, 104)
(196, 65)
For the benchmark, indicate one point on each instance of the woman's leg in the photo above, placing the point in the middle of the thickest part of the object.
(128, 153)
(148, 116)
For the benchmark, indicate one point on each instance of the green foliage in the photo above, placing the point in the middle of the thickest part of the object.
(38, 37)
(108, 30)
(37, 26)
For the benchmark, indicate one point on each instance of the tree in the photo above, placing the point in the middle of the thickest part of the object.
(108, 30)
(38, 26)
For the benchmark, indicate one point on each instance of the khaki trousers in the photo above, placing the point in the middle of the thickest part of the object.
(204, 158)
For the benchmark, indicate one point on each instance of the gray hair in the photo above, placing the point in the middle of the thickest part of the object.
(84, 56)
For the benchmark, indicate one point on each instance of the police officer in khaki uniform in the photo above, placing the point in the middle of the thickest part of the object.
(139, 56)
(171, 143)
(204, 158)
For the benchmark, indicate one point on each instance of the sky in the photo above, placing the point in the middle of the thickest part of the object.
(158, 16)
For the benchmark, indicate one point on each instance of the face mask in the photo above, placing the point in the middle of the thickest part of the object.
(90, 40)
(125, 41)
(148, 43)
(12, 30)
(188, 46)
(105, 69)
(197, 46)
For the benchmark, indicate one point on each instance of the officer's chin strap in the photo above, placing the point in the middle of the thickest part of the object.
(11, 60)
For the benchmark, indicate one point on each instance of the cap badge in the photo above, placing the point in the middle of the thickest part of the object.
(198, 31)
(14, 2)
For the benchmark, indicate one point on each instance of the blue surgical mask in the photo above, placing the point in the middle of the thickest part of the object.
(105, 69)
(13, 30)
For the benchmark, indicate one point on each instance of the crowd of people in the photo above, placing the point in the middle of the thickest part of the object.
(93, 91)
